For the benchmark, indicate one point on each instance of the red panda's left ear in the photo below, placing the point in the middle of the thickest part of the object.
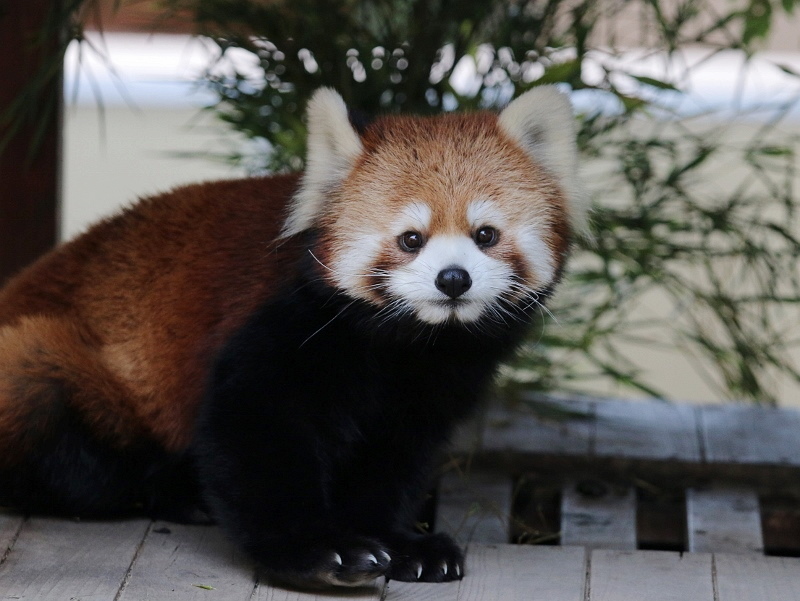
(333, 146)
(541, 121)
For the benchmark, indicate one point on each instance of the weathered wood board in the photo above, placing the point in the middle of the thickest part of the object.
(723, 520)
(10, 525)
(756, 578)
(751, 435)
(650, 576)
(506, 573)
(184, 563)
(528, 432)
(604, 516)
(56, 560)
(265, 592)
(655, 436)
(653, 430)
(128, 561)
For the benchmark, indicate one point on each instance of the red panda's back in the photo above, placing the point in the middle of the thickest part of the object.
(147, 297)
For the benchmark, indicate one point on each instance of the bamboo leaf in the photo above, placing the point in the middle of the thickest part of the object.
(786, 69)
(561, 72)
(656, 83)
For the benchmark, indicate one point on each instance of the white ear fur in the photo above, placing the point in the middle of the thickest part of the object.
(541, 121)
(333, 146)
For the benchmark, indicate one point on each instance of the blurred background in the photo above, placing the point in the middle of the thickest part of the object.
(689, 125)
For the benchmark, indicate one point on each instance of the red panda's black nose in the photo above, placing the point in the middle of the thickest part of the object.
(453, 281)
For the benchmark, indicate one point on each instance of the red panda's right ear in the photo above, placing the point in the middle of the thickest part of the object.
(333, 146)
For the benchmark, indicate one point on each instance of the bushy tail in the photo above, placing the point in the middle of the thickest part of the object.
(65, 421)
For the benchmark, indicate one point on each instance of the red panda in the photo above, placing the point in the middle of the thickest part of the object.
(289, 352)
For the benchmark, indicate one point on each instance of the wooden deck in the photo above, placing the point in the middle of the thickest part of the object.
(57, 560)
(603, 460)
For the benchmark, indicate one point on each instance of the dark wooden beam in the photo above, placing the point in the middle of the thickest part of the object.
(30, 163)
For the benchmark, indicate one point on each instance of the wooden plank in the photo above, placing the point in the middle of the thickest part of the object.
(10, 525)
(29, 196)
(558, 427)
(598, 515)
(506, 573)
(649, 576)
(179, 562)
(265, 592)
(646, 430)
(475, 507)
(411, 591)
(523, 572)
(641, 430)
(757, 435)
(54, 559)
(757, 578)
(723, 520)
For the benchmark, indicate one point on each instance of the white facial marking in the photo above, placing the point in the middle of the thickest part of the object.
(484, 212)
(415, 217)
(415, 282)
(351, 267)
(538, 254)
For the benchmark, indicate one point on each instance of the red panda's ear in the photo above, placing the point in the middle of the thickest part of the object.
(541, 122)
(333, 146)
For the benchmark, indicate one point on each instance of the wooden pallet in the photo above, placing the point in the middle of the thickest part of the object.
(626, 476)
(599, 465)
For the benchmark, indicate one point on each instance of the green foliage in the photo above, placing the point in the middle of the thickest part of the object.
(37, 103)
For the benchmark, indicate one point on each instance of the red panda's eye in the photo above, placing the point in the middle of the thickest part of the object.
(486, 236)
(410, 241)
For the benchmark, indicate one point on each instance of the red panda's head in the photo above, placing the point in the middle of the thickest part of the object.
(448, 218)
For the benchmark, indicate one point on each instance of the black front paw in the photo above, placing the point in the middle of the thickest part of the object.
(429, 558)
(347, 561)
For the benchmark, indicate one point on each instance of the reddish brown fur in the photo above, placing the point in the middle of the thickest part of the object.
(129, 315)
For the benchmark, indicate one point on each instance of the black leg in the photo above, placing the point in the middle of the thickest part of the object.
(266, 481)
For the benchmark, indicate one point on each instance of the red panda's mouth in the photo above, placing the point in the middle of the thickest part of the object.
(452, 304)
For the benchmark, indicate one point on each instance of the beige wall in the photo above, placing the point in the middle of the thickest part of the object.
(136, 156)
(627, 25)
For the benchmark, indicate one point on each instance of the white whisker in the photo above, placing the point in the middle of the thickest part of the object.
(329, 322)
